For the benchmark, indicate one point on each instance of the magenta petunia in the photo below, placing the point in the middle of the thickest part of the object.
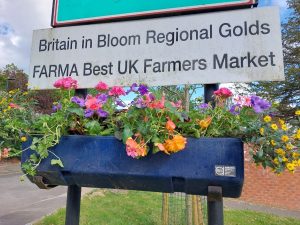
(116, 91)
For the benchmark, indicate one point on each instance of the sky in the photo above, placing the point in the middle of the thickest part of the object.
(18, 18)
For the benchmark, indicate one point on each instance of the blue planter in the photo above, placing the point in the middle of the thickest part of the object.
(102, 162)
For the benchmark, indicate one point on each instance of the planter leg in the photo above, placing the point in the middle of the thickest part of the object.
(215, 206)
(73, 205)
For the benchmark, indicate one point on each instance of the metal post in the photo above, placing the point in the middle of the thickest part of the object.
(209, 91)
(215, 206)
(73, 205)
(214, 197)
(74, 192)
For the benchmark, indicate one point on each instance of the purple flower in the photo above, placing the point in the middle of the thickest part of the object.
(259, 105)
(119, 102)
(88, 113)
(102, 113)
(203, 106)
(78, 101)
(56, 107)
(143, 89)
(134, 87)
(235, 109)
(102, 98)
(139, 103)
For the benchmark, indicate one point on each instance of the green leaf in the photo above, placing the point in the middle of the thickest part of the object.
(260, 153)
(57, 162)
(127, 133)
(77, 111)
(93, 127)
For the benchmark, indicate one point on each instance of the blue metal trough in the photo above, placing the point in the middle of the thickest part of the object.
(102, 162)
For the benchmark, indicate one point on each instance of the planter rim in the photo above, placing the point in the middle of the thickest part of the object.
(113, 137)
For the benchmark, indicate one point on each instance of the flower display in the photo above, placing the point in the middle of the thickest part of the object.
(152, 124)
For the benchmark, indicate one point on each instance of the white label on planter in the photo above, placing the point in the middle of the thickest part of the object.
(232, 46)
(225, 171)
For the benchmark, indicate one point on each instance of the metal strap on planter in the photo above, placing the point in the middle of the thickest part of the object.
(39, 181)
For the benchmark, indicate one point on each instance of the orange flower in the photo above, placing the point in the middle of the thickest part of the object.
(161, 147)
(205, 123)
(170, 125)
(175, 144)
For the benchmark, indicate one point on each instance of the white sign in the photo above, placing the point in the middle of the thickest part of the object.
(231, 46)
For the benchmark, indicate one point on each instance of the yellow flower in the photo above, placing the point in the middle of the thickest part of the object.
(25, 93)
(205, 123)
(276, 161)
(295, 155)
(274, 126)
(290, 166)
(273, 143)
(289, 146)
(280, 151)
(23, 139)
(297, 112)
(8, 107)
(284, 138)
(284, 159)
(281, 122)
(262, 131)
(284, 127)
(267, 119)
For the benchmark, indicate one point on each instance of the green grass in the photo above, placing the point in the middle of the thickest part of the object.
(144, 208)
(246, 217)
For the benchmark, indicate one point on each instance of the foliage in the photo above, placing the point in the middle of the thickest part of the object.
(16, 119)
(151, 123)
(285, 93)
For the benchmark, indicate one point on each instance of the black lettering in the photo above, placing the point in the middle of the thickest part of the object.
(224, 61)
(43, 45)
(36, 70)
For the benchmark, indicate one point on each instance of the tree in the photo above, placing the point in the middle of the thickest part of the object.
(11, 77)
(286, 93)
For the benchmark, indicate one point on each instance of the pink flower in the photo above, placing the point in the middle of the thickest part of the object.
(66, 83)
(243, 100)
(223, 93)
(5, 152)
(177, 104)
(101, 86)
(116, 91)
(92, 103)
(134, 149)
(14, 106)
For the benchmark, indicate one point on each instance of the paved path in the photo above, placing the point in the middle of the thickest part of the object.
(23, 202)
(241, 205)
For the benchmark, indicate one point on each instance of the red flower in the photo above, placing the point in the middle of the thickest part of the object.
(92, 103)
(66, 83)
(223, 93)
(116, 91)
(14, 106)
(101, 86)
(159, 104)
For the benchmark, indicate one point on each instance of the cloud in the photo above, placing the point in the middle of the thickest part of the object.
(18, 18)
(5, 29)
